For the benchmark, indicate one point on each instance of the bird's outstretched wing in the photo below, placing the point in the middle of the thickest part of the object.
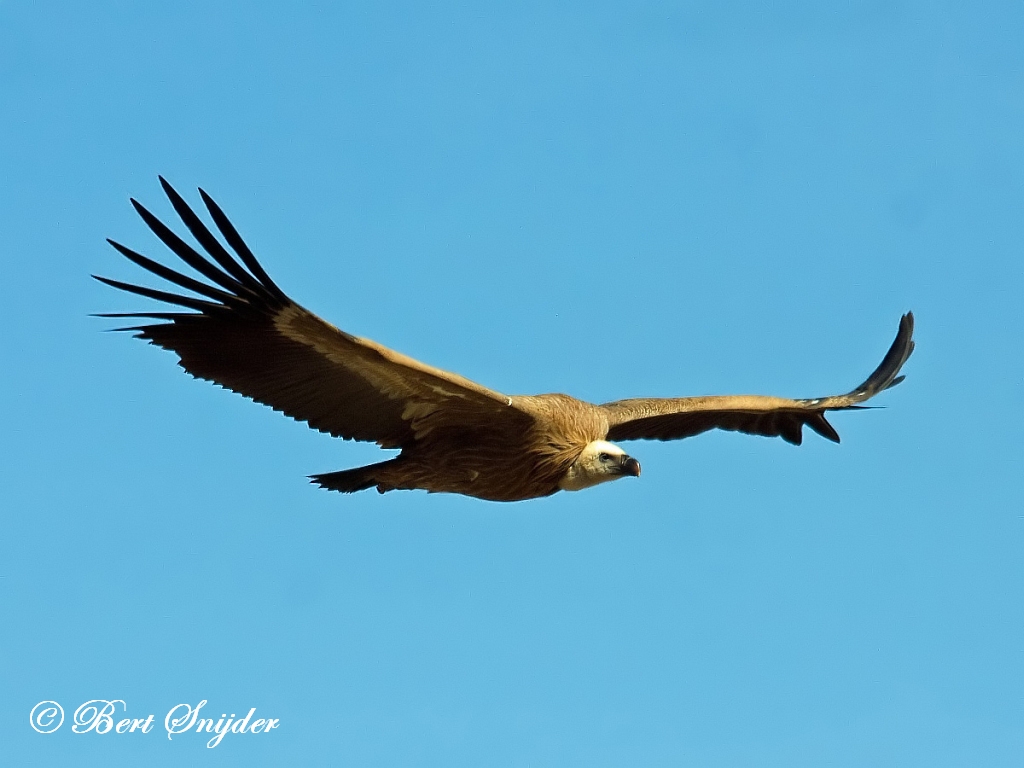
(245, 334)
(675, 418)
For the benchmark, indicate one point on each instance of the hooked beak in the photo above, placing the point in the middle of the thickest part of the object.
(630, 466)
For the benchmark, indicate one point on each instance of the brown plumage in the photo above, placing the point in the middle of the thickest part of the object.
(455, 436)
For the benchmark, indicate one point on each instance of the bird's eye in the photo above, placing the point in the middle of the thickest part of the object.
(605, 457)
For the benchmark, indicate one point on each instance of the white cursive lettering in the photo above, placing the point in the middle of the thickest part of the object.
(181, 724)
(95, 716)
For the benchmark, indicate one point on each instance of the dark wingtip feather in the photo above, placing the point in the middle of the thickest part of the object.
(187, 253)
(172, 276)
(206, 239)
(885, 375)
(150, 315)
(238, 245)
(150, 293)
(820, 424)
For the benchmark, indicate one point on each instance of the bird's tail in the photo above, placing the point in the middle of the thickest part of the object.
(358, 479)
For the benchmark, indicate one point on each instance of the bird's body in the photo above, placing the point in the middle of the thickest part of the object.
(523, 453)
(455, 435)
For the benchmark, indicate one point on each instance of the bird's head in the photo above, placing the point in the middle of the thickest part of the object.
(599, 462)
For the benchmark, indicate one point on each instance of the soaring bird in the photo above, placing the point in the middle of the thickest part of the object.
(455, 436)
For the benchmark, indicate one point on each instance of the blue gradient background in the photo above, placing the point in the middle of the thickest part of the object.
(606, 200)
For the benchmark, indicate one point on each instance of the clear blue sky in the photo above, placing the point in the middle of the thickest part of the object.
(605, 200)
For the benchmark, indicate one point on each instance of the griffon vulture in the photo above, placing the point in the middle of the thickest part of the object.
(455, 436)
